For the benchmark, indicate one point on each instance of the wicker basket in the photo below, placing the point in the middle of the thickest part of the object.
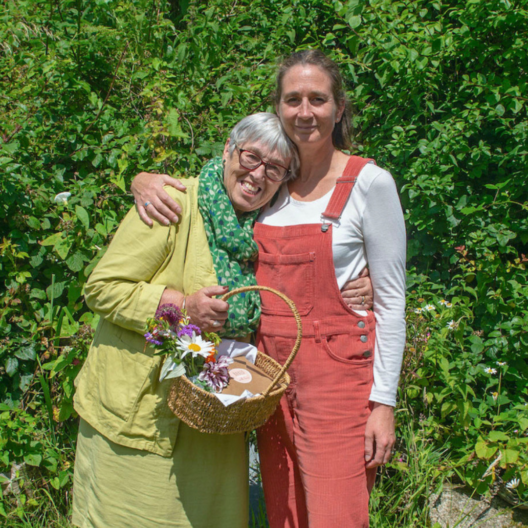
(204, 411)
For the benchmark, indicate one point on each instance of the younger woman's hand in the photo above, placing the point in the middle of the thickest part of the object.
(152, 201)
(379, 435)
(205, 311)
(358, 294)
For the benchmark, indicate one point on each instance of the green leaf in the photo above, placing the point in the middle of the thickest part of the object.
(82, 215)
(75, 262)
(484, 451)
(97, 160)
(11, 366)
(26, 353)
(523, 424)
(63, 247)
(497, 436)
(33, 223)
(354, 21)
(509, 456)
(447, 408)
(52, 240)
(33, 459)
(55, 290)
(174, 127)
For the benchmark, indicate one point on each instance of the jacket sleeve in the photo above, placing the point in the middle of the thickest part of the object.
(119, 287)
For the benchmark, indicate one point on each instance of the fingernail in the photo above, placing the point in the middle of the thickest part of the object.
(174, 219)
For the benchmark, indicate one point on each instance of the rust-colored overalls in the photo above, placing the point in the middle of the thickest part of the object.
(312, 448)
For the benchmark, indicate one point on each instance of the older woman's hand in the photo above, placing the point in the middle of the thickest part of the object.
(152, 201)
(358, 294)
(205, 311)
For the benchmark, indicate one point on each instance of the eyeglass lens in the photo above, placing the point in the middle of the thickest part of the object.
(251, 161)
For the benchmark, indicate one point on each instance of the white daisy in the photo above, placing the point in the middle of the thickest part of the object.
(451, 325)
(443, 302)
(418, 311)
(194, 345)
(449, 305)
(495, 395)
(501, 363)
(429, 307)
(513, 483)
(490, 370)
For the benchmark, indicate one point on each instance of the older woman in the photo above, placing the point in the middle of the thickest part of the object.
(336, 424)
(137, 465)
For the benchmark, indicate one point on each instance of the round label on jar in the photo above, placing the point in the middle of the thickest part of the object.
(241, 375)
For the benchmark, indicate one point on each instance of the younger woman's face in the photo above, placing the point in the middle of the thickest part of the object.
(307, 108)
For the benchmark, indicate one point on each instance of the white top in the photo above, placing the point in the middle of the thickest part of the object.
(371, 230)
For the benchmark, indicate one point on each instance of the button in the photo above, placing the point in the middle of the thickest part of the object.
(361, 324)
(364, 338)
(368, 353)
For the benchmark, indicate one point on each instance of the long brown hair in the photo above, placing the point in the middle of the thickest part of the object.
(342, 130)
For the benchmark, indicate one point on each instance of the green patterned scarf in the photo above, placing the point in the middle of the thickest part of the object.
(232, 247)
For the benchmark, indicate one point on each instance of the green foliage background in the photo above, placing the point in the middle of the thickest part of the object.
(94, 91)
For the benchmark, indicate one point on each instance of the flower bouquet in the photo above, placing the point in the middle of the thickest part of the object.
(201, 370)
(190, 352)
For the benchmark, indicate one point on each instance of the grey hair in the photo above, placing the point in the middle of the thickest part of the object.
(267, 129)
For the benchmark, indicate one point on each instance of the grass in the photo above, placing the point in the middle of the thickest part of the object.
(400, 497)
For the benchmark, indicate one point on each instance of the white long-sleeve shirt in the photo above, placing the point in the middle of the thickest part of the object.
(370, 231)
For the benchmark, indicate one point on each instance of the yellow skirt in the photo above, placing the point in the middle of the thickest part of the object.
(204, 484)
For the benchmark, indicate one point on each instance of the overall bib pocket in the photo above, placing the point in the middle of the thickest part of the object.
(281, 272)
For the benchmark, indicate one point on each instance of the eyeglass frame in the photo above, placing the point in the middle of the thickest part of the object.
(262, 162)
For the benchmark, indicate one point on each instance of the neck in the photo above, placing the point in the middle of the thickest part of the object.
(317, 160)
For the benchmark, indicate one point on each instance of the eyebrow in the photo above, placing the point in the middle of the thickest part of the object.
(319, 94)
(275, 161)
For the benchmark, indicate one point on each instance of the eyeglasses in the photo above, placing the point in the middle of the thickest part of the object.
(250, 161)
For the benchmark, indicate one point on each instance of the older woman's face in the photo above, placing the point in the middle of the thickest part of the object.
(250, 190)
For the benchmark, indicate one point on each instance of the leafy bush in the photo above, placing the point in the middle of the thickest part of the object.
(95, 91)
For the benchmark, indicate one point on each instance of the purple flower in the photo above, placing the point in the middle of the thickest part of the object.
(216, 374)
(188, 330)
(170, 313)
(152, 339)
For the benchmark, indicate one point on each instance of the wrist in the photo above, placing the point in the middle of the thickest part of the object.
(172, 297)
(378, 405)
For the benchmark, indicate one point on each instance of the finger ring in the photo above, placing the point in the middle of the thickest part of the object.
(146, 204)
(216, 323)
(362, 299)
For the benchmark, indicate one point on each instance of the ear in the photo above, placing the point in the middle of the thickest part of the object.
(340, 111)
(225, 154)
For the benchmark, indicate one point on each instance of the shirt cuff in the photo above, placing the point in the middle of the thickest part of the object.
(382, 397)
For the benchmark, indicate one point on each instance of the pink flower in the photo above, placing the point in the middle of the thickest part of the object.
(216, 374)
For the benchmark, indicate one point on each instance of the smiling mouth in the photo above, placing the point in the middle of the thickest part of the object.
(249, 188)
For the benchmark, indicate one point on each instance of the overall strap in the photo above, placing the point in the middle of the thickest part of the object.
(344, 186)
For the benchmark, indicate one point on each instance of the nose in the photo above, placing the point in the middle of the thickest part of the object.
(305, 110)
(259, 172)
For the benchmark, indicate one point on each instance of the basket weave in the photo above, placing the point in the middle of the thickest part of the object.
(202, 410)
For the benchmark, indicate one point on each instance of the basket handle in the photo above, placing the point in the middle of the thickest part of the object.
(293, 308)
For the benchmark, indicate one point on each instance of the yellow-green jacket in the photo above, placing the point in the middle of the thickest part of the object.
(118, 388)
